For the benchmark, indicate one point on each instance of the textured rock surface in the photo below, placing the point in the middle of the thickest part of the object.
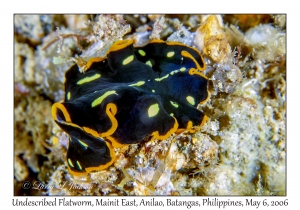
(241, 150)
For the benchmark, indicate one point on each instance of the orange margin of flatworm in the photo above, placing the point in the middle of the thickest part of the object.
(193, 71)
(93, 60)
(181, 44)
(114, 142)
(97, 168)
(204, 120)
(111, 111)
(155, 134)
(207, 98)
(188, 127)
(156, 41)
(184, 53)
(63, 109)
(118, 45)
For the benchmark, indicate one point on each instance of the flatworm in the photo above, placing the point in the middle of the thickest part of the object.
(131, 95)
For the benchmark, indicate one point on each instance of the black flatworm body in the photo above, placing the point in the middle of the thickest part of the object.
(131, 95)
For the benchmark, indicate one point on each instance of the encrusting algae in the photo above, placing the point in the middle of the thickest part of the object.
(239, 150)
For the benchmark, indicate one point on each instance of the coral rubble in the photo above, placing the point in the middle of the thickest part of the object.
(241, 150)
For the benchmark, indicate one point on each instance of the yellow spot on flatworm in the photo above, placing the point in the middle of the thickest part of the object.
(70, 163)
(78, 164)
(88, 79)
(149, 63)
(128, 60)
(153, 110)
(160, 79)
(182, 69)
(68, 95)
(174, 104)
(140, 83)
(142, 52)
(191, 100)
(101, 98)
(174, 72)
(83, 144)
(170, 54)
